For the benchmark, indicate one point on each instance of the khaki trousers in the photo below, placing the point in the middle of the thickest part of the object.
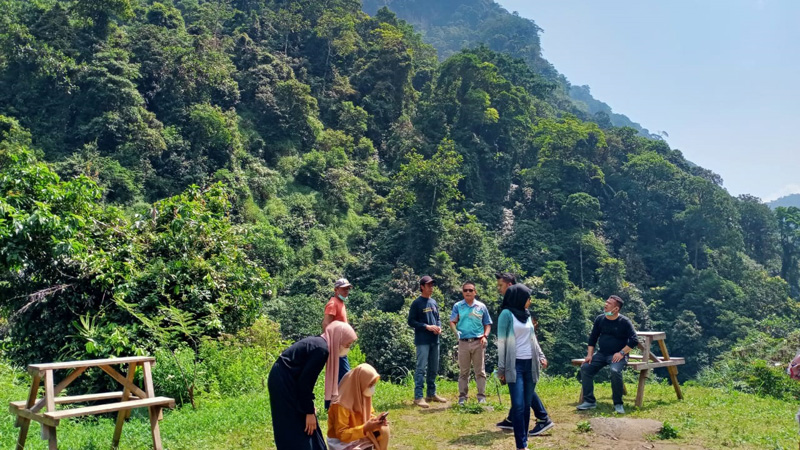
(471, 354)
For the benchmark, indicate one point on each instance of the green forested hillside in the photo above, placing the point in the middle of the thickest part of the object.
(451, 25)
(174, 170)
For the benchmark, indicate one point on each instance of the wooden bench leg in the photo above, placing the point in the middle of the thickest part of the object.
(52, 441)
(673, 376)
(673, 371)
(155, 411)
(624, 389)
(24, 424)
(640, 391)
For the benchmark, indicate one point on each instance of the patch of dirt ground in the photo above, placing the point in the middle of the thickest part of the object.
(628, 434)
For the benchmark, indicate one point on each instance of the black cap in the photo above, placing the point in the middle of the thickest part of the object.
(425, 280)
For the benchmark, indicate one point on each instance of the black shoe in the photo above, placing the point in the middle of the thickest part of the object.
(541, 427)
(505, 424)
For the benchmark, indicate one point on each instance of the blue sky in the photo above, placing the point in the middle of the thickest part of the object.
(720, 76)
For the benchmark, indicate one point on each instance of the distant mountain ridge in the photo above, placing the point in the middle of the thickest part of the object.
(451, 25)
(786, 201)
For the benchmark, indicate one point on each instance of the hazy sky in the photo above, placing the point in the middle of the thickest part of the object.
(720, 76)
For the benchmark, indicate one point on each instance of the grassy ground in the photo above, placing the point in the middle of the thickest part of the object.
(706, 418)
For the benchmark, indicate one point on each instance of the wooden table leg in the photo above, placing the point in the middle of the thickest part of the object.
(640, 391)
(23, 423)
(155, 411)
(672, 370)
(50, 403)
(148, 384)
(49, 391)
(52, 442)
(122, 414)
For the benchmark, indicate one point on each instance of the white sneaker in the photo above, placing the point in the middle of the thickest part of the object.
(619, 409)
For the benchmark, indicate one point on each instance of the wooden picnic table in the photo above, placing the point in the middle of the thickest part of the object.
(647, 361)
(130, 397)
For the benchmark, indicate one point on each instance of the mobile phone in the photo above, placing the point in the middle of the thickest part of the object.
(383, 416)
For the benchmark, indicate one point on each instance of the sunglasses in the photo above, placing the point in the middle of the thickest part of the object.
(468, 290)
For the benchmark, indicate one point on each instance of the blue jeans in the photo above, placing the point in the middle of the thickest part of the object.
(344, 367)
(522, 392)
(588, 371)
(536, 405)
(427, 355)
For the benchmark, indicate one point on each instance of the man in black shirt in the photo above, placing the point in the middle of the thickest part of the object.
(423, 317)
(617, 337)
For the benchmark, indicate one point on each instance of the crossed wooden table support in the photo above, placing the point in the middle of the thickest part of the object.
(647, 361)
(130, 397)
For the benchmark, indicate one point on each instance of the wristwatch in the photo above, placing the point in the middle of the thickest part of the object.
(623, 353)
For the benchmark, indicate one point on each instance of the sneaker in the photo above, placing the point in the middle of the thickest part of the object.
(436, 398)
(505, 424)
(481, 401)
(421, 403)
(619, 409)
(541, 427)
(586, 405)
(461, 401)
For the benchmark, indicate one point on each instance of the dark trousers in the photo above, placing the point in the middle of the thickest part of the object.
(536, 405)
(288, 423)
(427, 357)
(344, 367)
(588, 371)
(523, 399)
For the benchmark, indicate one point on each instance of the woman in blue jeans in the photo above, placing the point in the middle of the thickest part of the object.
(519, 361)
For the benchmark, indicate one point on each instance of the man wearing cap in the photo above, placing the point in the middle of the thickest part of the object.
(423, 317)
(470, 321)
(336, 310)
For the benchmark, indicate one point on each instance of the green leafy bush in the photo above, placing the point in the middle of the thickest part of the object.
(667, 431)
(175, 373)
(388, 344)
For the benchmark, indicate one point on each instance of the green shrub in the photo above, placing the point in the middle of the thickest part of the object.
(226, 367)
(231, 369)
(177, 374)
(667, 431)
(356, 356)
(387, 343)
(584, 426)
(300, 316)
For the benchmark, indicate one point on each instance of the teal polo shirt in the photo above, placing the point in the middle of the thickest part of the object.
(471, 319)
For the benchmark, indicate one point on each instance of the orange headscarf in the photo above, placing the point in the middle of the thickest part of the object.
(352, 387)
(337, 334)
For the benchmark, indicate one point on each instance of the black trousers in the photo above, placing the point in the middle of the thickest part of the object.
(288, 424)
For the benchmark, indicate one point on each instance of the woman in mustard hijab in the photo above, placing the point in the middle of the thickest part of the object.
(352, 424)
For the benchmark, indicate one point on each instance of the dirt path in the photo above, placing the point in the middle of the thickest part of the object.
(445, 427)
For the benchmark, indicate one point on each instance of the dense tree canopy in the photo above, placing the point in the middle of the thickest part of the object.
(189, 160)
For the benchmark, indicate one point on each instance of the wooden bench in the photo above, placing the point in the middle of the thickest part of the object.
(646, 362)
(131, 397)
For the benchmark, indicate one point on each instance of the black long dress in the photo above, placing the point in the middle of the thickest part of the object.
(291, 393)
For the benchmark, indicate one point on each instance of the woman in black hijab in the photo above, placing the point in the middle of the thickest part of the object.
(519, 362)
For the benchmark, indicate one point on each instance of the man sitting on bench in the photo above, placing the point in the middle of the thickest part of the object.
(617, 337)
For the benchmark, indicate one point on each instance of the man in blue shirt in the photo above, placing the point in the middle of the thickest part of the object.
(470, 321)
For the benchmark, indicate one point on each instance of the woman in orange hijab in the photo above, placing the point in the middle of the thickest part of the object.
(352, 424)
